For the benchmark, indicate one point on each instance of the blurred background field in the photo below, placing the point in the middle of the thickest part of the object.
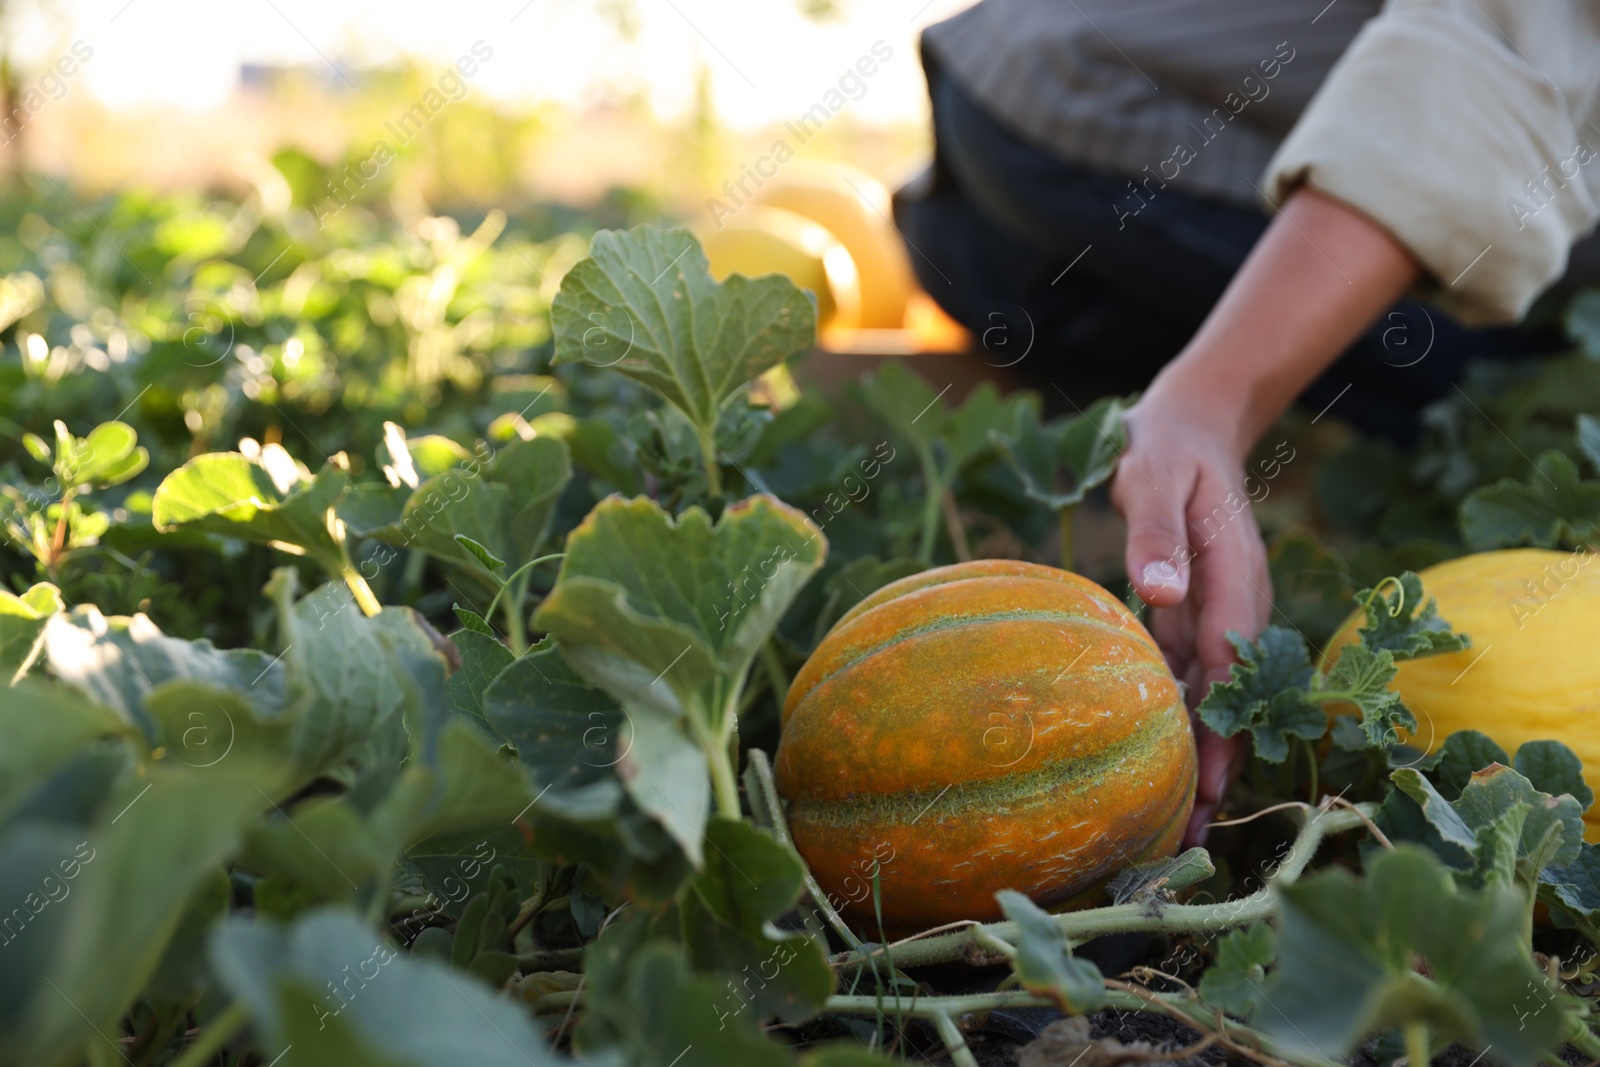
(618, 106)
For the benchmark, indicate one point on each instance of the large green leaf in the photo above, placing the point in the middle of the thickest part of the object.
(569, 734)
(1404, 621)
(42, 726)
(1500, 821)
(749, 881)
(644, 304)
(1348, 951)
(642, 598)
(234, 495)
(158, 839)
(22, 622)
(334, 990)
(1060, 462)
(364, 691)
(117, 661)
(1554, 506)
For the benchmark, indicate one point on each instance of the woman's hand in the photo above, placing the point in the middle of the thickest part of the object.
(1195, 555)
(1321, 273)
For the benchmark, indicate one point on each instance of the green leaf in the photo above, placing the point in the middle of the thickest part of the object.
(491, 563)
(598, 448)
(230, 494)
(483, 657)
(323, 846)
(1233, 983)
(904, 399)
(1266, 694)
(1061, 462)
(456, 865)
(471, 620)
(665, 774)
(1362, 676)
(1501, 822)
(369, 680)
(1347, 947)
(569, 734)
(687, 1021)
(408, 461)
(1044, 962)
(22, 623)
(37, 447)
(1576, 886)
(643, 600)
(1402, 623)
(482, 515)
(1464, 753)
(1553, 507)
(303, 985)
(473, 785)
(643, 303)
(42, 726)
(1497, 790)
(750, 880)
(117, 661)
(157, 842)
(109, 456)
(969, 431)
(1149, 881)
(1555, 769)
(1439, 812)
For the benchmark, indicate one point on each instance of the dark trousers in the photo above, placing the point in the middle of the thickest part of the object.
(1082, 286)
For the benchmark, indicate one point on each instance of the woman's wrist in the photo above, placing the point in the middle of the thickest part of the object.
(1199, 390)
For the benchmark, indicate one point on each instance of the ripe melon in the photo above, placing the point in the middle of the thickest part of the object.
(854, 207)
(984, 726)
(767, 240)
(1533, 671)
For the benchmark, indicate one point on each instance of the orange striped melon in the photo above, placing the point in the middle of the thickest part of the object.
(984, 726)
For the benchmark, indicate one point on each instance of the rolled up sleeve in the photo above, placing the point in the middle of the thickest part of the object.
(1435, 122)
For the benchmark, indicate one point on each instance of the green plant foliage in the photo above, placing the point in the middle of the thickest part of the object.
(242, 811)
(340, 995)
(1554, 506)
(1044, 963)
(1234, 983)
(1276, 693)
(1059, 463)
(1347, 949)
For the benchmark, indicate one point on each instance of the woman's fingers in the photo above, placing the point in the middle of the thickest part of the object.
(1158, 548)
(1232, 589)
(1219, 759)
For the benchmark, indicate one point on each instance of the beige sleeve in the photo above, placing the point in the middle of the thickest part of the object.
(1435, 122)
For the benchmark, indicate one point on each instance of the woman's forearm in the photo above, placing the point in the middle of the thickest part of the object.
(1318, 277)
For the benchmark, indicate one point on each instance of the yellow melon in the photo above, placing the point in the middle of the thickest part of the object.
(854, 207)
(760, 240)
(1533, 671)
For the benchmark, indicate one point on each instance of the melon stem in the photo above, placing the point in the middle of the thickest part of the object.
(1081, 926)
(723, 785)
